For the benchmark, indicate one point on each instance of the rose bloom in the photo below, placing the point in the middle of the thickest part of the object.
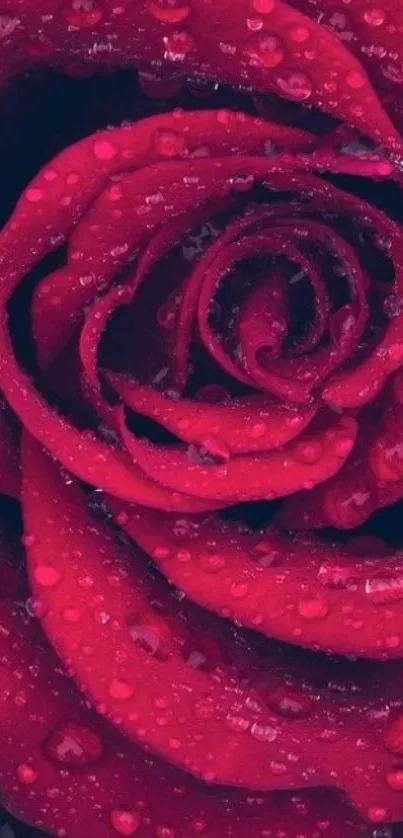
(201, 426)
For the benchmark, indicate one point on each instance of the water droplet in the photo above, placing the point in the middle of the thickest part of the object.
(104, 149)
(255, 24)
(336, 576)
(392, 72)
(239, 590)
(277, 768)
(394, 778)
(204, 710)
(26, 774)
(148, 638)
(73, 745)
(296, 86)
(125, 822)
(165, 832)
(392, 305)
(263, 7)
(28, 540)
(212, 563)
(355, 79)
(263, 733)
(289, 703)
(300, 34)
(384, 588)
(168, 143)
(393, 736)
(265, 51)
(377, 814)
(34, 195)
(169, 11)
(177, 46)
(257, 431)
(46, 575)
(313, 608)
(308, 452)
(8, 25)
(82, 13)
(374, 17)
(237, 723)
(121, 689)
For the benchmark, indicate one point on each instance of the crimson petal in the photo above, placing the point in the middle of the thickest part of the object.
(312, 458)
(301, 589)
(287, 53)
(135, 653)
(240, 426)
(54, 748)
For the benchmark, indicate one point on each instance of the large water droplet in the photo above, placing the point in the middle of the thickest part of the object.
(374, 17)
(125, 822)
(336, 576)
(47, 575)
(82, 13)
(178, 45)
(168, 143)
(393, 736)
(120, 689)
(73, 745)
(296, 86)
(263, 733)
(169, 11)
(394, 778)
(263, 7)
(265, 51)
(8, 25)
(384, 588)
(313, 608)
(26, 774)
(289, 703)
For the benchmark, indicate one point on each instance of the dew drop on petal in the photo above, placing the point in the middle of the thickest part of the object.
(82, 13)
(355, 79)
(336, 576)
(125, 822)
(385, 588)
(308, 453)
(26, 774)
(374, 17)
(121, 689)
(313, 608)
(289, 704)
(165, 832)
(394, 778)
(46, 575)
(263, 733)
(178, 45)
(169, 11)
(393, 736)
(263, 7)
(168, 143)
(73, 745)
(265, 51)
(104, 149)
(8, 25)
(296, 86)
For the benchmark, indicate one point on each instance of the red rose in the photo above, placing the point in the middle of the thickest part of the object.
(201, 354)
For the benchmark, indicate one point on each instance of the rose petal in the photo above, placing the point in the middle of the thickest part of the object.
(63, 768)
(136, 650)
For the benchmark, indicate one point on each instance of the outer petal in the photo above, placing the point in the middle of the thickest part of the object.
(311, 459)
(64, 769)
(136, 656)
(285, 51)
(302, 590)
